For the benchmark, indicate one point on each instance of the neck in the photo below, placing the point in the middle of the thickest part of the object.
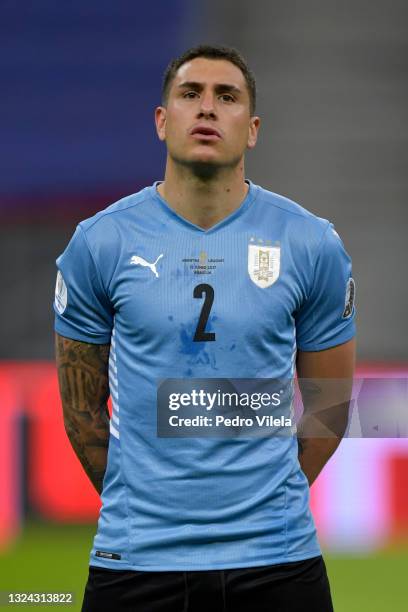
(203, 198)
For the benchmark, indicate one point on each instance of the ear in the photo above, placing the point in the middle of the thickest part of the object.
(254, 125)
(160, 119)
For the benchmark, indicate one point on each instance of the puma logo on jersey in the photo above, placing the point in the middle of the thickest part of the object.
(139, 261)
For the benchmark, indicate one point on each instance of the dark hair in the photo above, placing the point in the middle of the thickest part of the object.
(216, 52)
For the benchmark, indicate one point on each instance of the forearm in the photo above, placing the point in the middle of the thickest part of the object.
(89, 437)
(314, 453)
(83, 381)
(325, 380)
(322, 425)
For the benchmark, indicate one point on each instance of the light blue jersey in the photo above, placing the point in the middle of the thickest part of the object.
(276, 279)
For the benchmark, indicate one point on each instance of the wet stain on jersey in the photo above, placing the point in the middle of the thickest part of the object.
(179, 273)
(198, 352)
(187, 344)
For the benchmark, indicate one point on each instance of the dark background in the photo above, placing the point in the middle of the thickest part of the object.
(79, 85)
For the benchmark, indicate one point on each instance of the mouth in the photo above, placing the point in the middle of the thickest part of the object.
(205, 132)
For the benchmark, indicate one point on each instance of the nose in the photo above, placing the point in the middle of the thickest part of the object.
(207, 105)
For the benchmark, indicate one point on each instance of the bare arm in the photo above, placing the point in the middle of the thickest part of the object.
(84, 388)
(326, 404)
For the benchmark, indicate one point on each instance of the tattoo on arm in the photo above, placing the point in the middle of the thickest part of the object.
(84, 388)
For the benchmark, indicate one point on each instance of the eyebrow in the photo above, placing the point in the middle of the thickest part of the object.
(218, 87)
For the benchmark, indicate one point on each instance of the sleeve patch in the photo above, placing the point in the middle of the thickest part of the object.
(61, 293)
(349, 300)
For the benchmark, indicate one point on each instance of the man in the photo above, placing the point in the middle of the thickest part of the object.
(202, 276)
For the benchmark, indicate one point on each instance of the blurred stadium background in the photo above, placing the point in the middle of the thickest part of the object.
(79, 85)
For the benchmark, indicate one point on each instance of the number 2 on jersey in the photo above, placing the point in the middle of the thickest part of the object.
(200, 334)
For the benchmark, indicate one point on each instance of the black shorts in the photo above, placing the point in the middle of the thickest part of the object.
(287, 587)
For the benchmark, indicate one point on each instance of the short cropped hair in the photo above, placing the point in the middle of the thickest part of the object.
(216, 52)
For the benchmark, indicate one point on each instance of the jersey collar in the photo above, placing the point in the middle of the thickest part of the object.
(248, 200)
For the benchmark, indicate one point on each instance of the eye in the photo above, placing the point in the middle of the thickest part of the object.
(190, 95)
(227, 97)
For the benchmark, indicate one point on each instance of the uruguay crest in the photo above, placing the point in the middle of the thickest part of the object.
(263, 264)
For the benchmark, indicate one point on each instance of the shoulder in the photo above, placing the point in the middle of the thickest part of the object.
(116, 212)
(99, 240)
(304, 225)
(106, 232)
(290, 209)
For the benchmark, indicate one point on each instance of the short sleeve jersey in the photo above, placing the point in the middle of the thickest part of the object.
(281, 281)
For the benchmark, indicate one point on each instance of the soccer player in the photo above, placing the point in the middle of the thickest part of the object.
(201, 276)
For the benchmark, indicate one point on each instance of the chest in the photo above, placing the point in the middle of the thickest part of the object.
(206, 289)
